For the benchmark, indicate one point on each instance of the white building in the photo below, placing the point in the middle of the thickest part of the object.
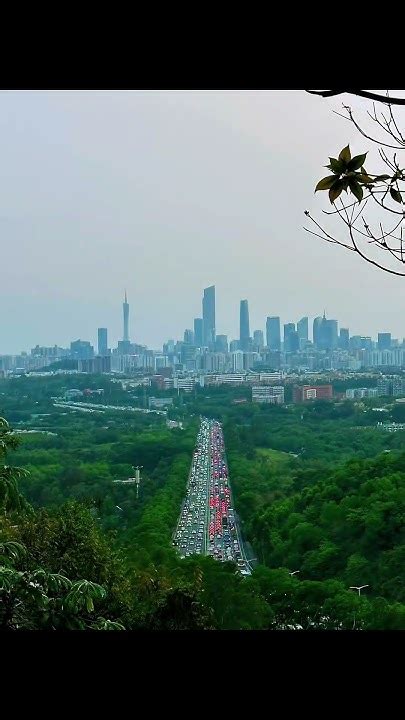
(268, 394)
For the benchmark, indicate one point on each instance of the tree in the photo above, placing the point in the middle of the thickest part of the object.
(378, 242)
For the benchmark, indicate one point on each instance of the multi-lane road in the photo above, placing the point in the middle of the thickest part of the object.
(207, 524)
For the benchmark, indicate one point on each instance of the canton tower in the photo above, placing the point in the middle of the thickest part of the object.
(125, 309)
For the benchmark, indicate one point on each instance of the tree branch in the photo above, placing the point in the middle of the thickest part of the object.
(360, 93)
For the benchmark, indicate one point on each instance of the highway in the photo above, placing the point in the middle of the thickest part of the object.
(207, 524)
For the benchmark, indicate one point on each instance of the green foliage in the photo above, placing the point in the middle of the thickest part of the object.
(349, 173)
(310, 488)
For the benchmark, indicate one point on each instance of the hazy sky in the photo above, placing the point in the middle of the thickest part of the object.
(164, 193)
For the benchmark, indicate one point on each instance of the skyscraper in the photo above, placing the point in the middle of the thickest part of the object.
(302, 328)
(273, 335)
(244, 332)
(327, 334)
(221, 344)
(315, 331)
(189, 337)
(198, 332)
(258, 340)
(125, 308)
(291, 341)
(208, 308)
(102, 342)
(384, 341)
(344, 338)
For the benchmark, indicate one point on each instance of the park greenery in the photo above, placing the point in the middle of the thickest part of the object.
(318, 489)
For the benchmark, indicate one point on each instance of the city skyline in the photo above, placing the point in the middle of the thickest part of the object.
(165, 192)
(304, 329)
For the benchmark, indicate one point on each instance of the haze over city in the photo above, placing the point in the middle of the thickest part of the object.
(164, 193)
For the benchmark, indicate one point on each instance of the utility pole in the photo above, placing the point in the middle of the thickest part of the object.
(136, 480)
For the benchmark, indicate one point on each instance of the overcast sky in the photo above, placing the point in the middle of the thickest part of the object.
(164, 193)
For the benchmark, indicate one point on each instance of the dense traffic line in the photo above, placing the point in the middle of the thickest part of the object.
(207, 524)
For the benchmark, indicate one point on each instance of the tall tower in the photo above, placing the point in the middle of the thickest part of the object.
(244, 334)
(273, 333)
(208, 308)
(125, 308)
(102, 342)
(302, 328)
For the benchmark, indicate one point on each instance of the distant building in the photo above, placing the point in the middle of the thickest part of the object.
(234, 345)
(161, 361)
(384, 341)
(95, 365)
(316, 331)
(221, 343)
(72, 394)
(291, 339)
(391, 385)
(186, 384)
(189, 337)
(302, 328)
(102, 341)
(273, 335)
(244, 331)
(344, 338)
(159, 403)
(81, 350)
(125, 310)
(208, 307)
(303, 393)
(237, 360)
(249, 360)
(355, 393)
(198, 332)
(258, 340)
(327, 334)
(268, 394)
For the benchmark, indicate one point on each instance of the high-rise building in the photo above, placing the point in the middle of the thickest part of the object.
(302, 328)
(344, 338)
(81, 350)
(258, 340)
(208, 311)
(198, 332)
(315, 330)
(237, 360)
(125, 309)
(234, 345)
(273, 334)
(288, 329)
(102, 342)
(221, 344)
(384, 341)
(189, 337)
(291, 339)
(244, 332)
(327, 336)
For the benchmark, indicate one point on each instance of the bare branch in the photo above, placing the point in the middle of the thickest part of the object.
(362, 239)
(360, 93)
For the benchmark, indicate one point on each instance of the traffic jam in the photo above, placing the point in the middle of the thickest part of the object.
(207, 523)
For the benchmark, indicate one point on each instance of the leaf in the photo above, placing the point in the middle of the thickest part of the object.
(356, 189)
(335, 190)
(337, 166)
(345, 155)
(356, 162)
(396, 195)
(326, 183)
(89, 604)
(382, 177)
(364, 178)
